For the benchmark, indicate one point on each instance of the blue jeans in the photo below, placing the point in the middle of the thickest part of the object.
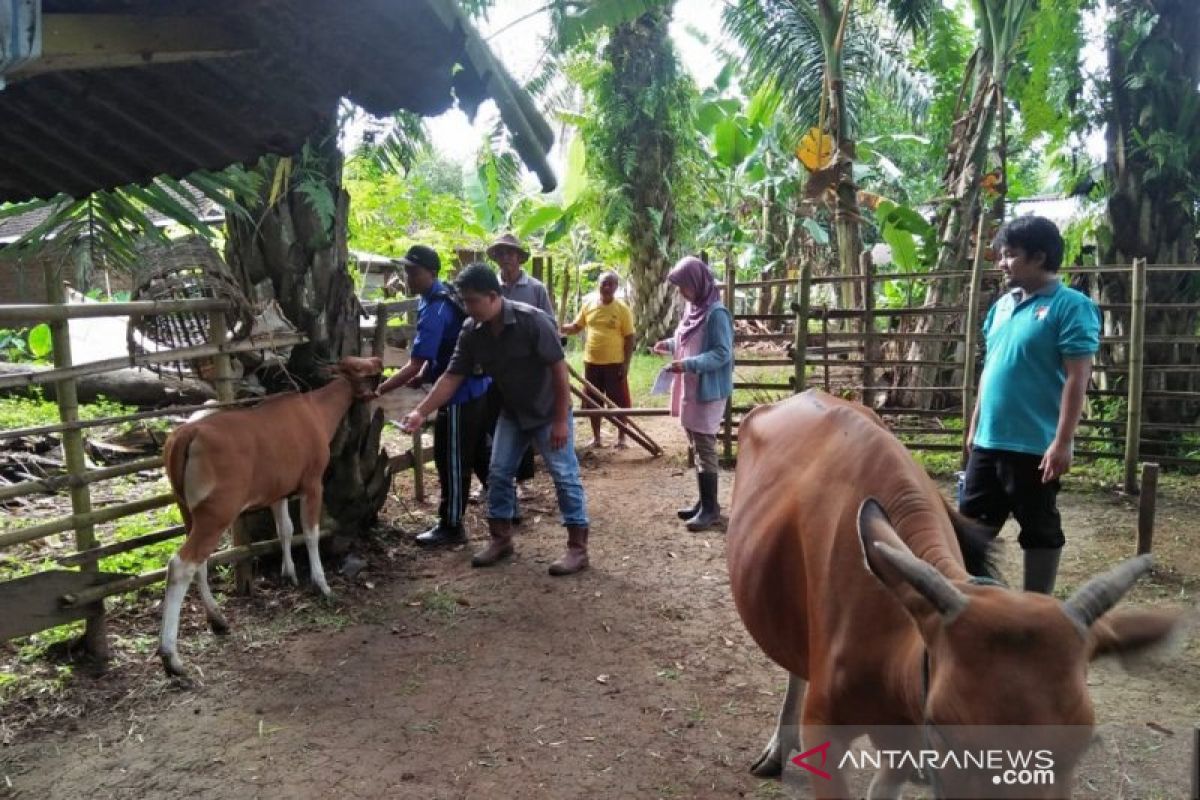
(508, 445)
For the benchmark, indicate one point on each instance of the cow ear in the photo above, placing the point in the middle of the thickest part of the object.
(1130, 634)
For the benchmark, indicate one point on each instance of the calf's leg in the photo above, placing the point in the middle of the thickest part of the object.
(216, 620)
(310, 518)
(202, 539)
(284, 528)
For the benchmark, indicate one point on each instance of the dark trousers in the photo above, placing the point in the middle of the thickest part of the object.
(1002, 482)
(458, 449)
(609, 379)
(491, 415)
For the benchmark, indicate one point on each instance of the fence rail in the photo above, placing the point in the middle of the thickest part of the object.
(76, 598)
(867, 348)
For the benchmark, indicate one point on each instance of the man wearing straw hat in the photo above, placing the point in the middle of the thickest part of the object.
(515, 284)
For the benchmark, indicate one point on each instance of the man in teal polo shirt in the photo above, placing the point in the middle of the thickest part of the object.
(1040, 338)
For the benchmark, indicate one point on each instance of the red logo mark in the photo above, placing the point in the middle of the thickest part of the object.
(823, 749)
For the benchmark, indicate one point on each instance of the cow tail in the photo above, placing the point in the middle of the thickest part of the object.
(175, 457)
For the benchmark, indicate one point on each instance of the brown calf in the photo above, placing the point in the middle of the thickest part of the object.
(233, 461)
(847, 568)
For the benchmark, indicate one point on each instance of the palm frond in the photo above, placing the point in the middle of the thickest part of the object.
(785, 54)
(115, 223)
(404, 141)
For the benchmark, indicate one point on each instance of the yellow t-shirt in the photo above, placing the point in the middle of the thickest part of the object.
(606, 326)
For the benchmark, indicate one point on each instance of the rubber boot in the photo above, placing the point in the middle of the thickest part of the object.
(690, 511)
(1041, 568)
(442, 534)
(500, 546)
(576, 557)
(710, 511)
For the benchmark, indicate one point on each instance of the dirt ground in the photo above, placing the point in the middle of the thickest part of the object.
(428, 679)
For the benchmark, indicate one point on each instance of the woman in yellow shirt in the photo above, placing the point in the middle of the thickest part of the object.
(609, 325)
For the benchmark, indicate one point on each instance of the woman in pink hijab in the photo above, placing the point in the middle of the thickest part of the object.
(702, 350)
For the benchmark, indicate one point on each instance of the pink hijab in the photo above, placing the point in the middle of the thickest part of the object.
(694, 274)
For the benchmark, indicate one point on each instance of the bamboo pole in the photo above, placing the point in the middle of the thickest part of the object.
(1146, 507)
(124, 546)
(95, 638)
(825, 332)
(17, 314)
(72, 481)
(1137, 335)
(800, 334)
(90, 518)
(608, 402)
(159, 356)
(866, 266)
(418, 454)
(233, 555)
(100, 422)
(379, 342)
(630, 412)
(731, 304)
(969, 346)
(642, 441)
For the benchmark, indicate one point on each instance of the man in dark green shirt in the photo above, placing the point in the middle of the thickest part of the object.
(518, 346)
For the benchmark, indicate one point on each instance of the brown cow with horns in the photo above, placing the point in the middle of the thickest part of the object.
(847, 568)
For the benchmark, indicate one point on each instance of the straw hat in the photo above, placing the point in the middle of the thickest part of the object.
(508, 240)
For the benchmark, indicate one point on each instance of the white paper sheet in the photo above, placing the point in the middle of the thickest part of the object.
(662, 383)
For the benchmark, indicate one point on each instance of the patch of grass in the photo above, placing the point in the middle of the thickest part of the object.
(668, 673)
(438, 603)
(34, 409)
(151, 557)
(432, 726)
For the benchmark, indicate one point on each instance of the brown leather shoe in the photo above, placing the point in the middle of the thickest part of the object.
(576, 557)
(500, 546)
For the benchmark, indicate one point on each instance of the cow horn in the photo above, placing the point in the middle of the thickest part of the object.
(1100, 594)
(931, 584)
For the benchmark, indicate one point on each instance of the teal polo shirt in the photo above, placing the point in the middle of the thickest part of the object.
(1020, 392)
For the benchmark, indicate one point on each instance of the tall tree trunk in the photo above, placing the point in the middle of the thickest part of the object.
(641, 160)
(1153, 155)
(294, 251)
(957, 223)
(846, 217)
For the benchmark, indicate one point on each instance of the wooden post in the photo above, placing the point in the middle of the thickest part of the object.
(218, 330)
(95, 638)
(731, 304)
(968, 381)
(418, 450)
(825, 338)
(1146, 504)
(1137, 336)
(535, 268)
(549, 280)
(866, 266)
(379, 343)
(800, 334)
(562, 300)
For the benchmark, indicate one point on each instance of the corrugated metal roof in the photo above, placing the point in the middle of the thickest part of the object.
(78, 131)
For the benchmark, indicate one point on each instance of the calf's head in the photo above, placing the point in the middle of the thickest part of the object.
(999, 657)
(363, 374)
